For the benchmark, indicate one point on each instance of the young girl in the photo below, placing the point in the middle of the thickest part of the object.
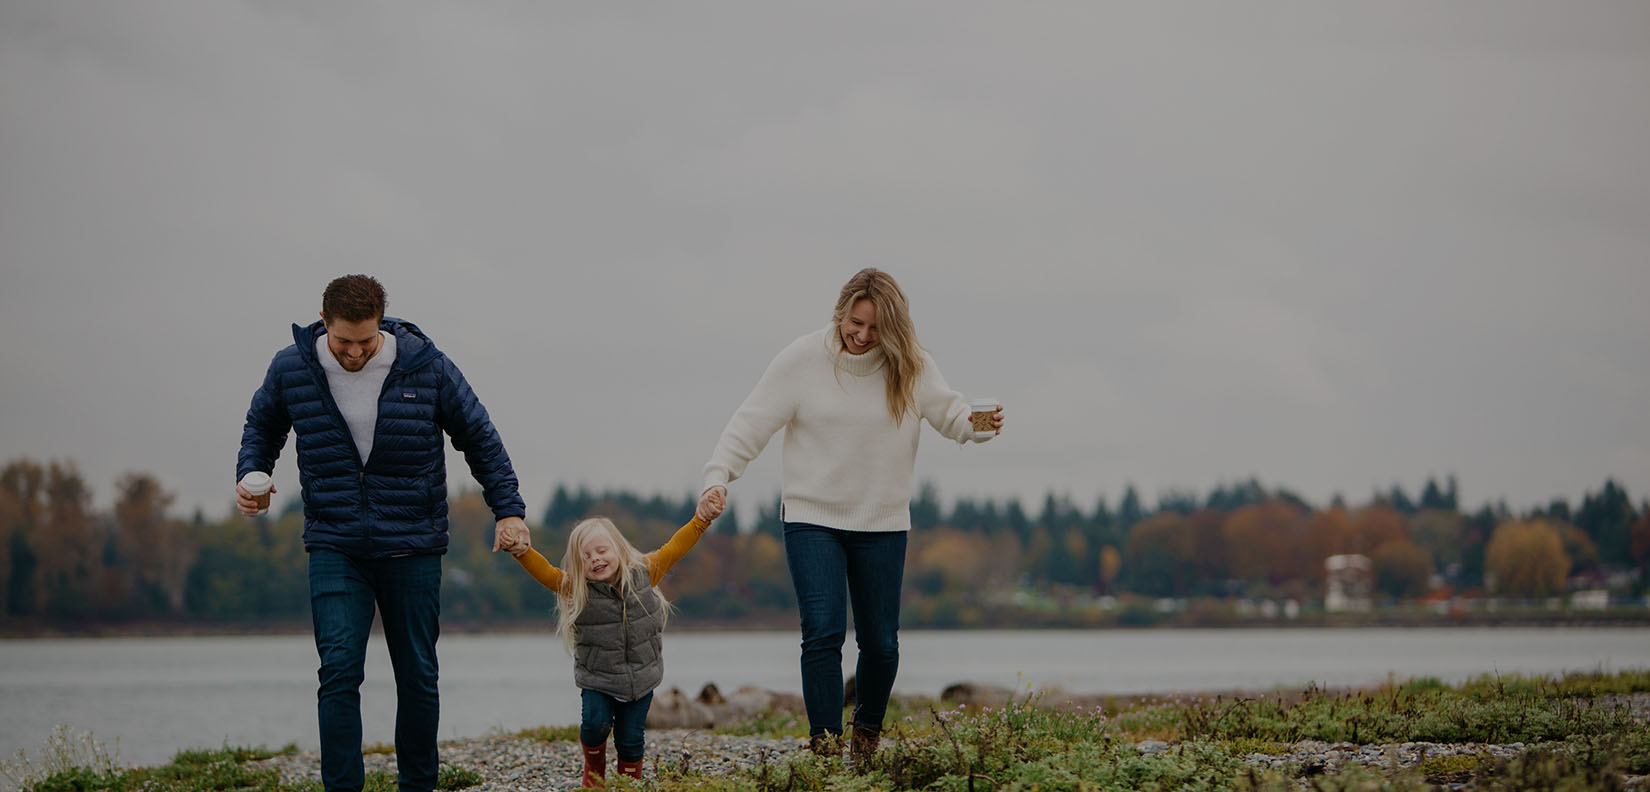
(611, 618)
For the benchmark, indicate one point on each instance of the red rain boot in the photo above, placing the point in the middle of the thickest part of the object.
(632, 769)
(595, 765)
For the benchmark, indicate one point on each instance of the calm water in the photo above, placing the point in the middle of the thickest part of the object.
(158, 695)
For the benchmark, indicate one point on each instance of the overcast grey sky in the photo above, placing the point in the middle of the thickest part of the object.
(1336, 246)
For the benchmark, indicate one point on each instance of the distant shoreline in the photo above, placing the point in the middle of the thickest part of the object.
(163, 629)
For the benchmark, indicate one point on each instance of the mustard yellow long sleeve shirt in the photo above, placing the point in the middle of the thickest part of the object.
(658, 562)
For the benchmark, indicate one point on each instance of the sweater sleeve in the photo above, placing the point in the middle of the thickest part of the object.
(943, 408)
(542, 570)
(660, 561)
(768, 408)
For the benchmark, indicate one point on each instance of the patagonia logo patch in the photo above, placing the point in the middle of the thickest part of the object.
(409, 395)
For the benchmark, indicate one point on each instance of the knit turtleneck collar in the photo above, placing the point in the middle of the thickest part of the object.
(863, 365)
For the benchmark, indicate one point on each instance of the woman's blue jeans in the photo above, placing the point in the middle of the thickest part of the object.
(829, 568)
(406, 591)
(625, 719)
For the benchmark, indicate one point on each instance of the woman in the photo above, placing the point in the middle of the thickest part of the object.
(850, 397)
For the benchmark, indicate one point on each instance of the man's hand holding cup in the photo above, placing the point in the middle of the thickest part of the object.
(252, 493)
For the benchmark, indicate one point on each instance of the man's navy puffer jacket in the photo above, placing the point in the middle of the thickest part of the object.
(396, 504)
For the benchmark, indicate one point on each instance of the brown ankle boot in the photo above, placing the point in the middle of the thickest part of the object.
(632, 769)
(826, 744)
(862, 745)
(595, 765)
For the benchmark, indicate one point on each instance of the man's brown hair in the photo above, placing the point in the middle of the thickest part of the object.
(353, 298)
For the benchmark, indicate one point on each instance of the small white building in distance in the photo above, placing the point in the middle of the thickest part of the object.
(1351, 582)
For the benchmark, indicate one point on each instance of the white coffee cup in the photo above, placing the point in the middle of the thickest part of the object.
(257, 483)
(980, 413)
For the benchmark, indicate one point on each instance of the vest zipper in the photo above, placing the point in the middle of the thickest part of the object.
(624, 633)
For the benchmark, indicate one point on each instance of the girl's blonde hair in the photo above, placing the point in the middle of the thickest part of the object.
(896, 336)
(576, 589)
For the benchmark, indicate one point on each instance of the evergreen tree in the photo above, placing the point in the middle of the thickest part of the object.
(1558, 510)
(1432, 497)
(1014, 518)
(1607, 518)
(966, 517)
(925, 508)
(768, 519)
(1399, 501)
(1129, 511)
(1240, 494)
(1102, 525)
(1177, 501)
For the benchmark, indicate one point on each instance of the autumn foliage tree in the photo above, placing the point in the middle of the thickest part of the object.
(158, 547)
(1266, 543)
(1402, 570)
(1640, 543)
(1527, 559)
(1157, 559)
(70, 549)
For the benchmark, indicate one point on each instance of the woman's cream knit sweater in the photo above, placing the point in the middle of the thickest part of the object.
(846, 463)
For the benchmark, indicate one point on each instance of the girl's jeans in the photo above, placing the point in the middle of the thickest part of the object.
(625, 719)
(829, 567)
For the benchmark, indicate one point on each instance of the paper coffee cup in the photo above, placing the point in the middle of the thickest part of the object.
(258, 484)
(980, 412)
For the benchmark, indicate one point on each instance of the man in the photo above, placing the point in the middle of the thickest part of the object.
(370, 398)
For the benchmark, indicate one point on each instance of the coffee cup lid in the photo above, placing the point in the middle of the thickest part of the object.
(979, 405)
(256, 482)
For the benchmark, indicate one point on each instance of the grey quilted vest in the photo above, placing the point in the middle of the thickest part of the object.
(617, 650)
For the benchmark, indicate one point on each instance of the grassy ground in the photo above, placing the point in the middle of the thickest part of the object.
(1577, 733)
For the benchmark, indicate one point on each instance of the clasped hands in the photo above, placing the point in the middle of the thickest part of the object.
(711, 504)
(511, 536)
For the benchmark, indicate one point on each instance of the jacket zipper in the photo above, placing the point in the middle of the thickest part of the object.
(317, 370)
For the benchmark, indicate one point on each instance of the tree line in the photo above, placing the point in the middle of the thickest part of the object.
(63, 562)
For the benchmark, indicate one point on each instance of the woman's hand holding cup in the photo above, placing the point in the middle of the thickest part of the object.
(987, 417)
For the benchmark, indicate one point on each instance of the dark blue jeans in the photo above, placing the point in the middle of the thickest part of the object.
(342, 594)
(625, 719)
(829, 568)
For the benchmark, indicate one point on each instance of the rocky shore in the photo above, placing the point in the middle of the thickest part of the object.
(514, 764)
(676, 739)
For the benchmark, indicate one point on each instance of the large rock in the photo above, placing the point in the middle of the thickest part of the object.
(672, 709)
(976, 694)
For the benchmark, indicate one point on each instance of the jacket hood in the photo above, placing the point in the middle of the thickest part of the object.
(413, 349)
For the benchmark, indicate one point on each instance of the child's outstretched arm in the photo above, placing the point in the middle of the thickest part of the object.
(542, 570)
(660, 561)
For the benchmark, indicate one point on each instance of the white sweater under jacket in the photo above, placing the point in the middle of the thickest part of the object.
(846, 464)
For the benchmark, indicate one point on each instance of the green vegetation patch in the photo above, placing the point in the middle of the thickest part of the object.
(1450, 769)
(549, 734)
(771, 724)
(1507, 710)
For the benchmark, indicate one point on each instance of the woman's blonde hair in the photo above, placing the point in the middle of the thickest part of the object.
(576, 589)
(896, 336)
